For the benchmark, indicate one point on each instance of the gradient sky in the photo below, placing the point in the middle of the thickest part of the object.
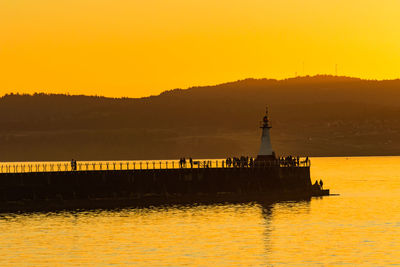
(138, 48)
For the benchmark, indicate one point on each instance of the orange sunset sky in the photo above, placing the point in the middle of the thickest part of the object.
(139, 48)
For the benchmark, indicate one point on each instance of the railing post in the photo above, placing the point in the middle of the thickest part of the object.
(173, 167)
(166, 164)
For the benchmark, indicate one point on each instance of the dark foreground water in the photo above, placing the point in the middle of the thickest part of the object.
(359, 227)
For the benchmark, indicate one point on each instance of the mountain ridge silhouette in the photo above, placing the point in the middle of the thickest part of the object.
(314, 115)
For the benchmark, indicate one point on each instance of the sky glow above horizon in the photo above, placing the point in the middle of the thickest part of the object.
(139, 48)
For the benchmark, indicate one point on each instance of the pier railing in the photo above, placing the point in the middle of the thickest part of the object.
(30, 167)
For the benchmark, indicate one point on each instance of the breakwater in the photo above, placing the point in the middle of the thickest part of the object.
(164, 183)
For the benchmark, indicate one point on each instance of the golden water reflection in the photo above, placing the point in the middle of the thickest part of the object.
(361, 226)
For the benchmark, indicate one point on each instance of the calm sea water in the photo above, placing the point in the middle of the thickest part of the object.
(359, 227)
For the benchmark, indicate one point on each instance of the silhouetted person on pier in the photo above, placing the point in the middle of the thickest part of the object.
(316, 185)
(321, 184)
(191, 162)
(73, 165)
(228, 162)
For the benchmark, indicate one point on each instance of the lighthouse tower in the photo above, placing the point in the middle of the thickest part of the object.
(266, 153)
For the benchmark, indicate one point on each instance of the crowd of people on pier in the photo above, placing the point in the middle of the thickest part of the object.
(242, 162)
(289, 161)
(292, 161)
(246, 161)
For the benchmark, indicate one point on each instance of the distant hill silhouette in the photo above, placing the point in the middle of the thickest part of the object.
(315, 116)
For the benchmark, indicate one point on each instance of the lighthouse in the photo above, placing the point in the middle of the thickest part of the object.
(266, 153)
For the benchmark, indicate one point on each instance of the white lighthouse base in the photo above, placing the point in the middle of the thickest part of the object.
(265, 158)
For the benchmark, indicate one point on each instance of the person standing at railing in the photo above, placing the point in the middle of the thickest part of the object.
(73, 165)
(191, 162)
(251, 162)
(228, 162)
